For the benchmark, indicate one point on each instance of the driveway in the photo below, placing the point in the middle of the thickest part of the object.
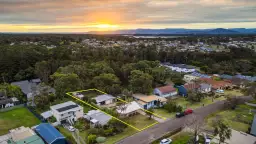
(149, 135)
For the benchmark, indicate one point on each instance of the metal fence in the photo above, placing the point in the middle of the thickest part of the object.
(33, 111)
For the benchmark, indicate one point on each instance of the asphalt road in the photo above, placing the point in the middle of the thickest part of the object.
(149, 135)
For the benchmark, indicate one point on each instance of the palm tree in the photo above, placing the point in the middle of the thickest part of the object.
(222, 129)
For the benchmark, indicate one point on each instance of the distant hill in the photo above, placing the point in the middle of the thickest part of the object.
(222, 31)
(217, 31)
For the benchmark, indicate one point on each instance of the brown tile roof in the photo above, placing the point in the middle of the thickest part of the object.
(167, 89)
(150, 98)
(215, 84)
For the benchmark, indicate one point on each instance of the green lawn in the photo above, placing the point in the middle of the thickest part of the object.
(140, 121)
(233, 92)
(238, 119)
(127, 132)
(163, 113)
(187, 104)
(181, 138)
(16, 118)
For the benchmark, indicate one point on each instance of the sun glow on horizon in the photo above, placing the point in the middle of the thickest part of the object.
(106, 26)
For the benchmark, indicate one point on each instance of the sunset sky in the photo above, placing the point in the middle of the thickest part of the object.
(94, 15)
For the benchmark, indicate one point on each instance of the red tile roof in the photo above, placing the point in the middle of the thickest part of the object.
(167, 89)
(215, 84)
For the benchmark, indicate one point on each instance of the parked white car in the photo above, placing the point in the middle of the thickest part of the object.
(71, 128)
(219, 91)
(166, 141)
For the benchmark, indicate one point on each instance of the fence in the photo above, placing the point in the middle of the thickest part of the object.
(32, 110)
(11, 108)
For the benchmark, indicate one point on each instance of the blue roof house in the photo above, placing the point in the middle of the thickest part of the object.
(50, 134)
(182, 91)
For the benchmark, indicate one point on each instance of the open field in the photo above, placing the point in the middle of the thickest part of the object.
(16, 118)
(239, 119)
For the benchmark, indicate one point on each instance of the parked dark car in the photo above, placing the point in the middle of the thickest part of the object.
(180, 114)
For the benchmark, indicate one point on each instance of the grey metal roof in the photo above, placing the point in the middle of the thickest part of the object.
(101, 98)
(99, 116)
(24, 86)
(205, 86)
(253, 128)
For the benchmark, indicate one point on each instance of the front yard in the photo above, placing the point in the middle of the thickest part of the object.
(16, 118)
(239, 119)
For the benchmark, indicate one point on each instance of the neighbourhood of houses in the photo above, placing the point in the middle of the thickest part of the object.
(69, 112)
(43, 133)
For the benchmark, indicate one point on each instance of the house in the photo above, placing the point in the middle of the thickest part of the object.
(237, 137)
(67, 112)
(180, 67)
(32, 88)
(130, 109)
(150, 101)
(49, 134)
(216, 84)
(183, 89)
(24, 135)
(197, 74)
(8, 102)
(205, 88)
(165, 91)
(104, 99)
(190, 78)
(97, 117)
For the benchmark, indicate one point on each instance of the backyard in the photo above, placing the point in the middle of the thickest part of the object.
(239, 119)
(16, 118)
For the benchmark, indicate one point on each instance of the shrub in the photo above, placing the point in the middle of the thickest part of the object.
(91, 139)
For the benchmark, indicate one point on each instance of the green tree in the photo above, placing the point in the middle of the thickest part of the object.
(64, 83)
(160, 74)
(42, 70)
(108, 83)
(222, 129)
(140, 82)
(12, 91)
(91, 139)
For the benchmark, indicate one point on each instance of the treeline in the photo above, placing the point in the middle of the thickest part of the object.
(20, 62)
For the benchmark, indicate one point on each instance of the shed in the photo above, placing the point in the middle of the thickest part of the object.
(50, 134)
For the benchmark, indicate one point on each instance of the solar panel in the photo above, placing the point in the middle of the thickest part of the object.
(66, 108)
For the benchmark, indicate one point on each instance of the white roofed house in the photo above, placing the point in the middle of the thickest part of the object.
(128, 109)
(67, 112)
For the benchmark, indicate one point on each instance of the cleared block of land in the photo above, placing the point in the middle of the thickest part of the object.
(16, 118)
